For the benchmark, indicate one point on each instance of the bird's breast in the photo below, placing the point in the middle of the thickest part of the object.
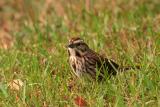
(76, 65)
(72, 59)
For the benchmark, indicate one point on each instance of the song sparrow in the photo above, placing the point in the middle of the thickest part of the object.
(83, 60)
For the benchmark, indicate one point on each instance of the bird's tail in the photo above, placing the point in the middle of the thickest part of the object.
(126, 68)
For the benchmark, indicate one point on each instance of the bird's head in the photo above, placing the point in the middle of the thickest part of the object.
(77, 47)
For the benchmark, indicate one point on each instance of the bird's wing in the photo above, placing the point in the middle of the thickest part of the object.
(103, 64)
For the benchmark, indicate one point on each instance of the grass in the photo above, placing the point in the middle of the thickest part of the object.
(125, 31)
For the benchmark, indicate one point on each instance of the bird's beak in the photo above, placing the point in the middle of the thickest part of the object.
(69, 46)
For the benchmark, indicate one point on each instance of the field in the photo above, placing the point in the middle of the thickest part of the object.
(34, 71)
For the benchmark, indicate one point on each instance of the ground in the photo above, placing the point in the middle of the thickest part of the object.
(33, 58)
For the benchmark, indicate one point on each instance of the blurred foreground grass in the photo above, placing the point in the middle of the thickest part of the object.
(33, 60)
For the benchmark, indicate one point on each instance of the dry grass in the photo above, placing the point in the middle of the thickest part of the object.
(32, 39)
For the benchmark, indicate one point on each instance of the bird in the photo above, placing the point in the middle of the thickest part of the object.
(84, 61)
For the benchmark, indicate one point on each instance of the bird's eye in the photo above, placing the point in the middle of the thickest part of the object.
(78, 44)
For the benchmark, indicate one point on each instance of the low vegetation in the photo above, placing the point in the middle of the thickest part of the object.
(34, 71)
